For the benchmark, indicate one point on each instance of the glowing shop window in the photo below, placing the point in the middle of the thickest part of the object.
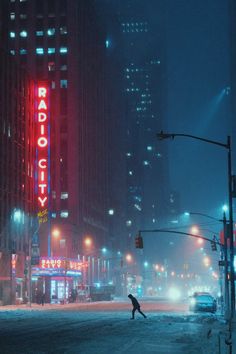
(63, 83)
(12, 34)
(64, 195)
(64, 214)
(51, 31)
(39, 51)
(23, 34)
(23, 51)
(63, 50)
(54, 215)
(51, 50)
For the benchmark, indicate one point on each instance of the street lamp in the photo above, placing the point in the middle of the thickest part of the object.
(227, 146)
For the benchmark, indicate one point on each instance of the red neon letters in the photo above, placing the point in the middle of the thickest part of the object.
(42, 145)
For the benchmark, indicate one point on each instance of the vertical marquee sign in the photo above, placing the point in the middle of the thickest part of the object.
(42, 141)
(42, 175)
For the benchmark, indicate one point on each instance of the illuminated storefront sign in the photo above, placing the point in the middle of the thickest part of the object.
(61, 263)
(42, 142)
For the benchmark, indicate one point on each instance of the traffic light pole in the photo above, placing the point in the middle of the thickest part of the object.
(227, 146)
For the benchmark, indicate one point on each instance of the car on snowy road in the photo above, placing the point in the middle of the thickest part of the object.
(202, 302)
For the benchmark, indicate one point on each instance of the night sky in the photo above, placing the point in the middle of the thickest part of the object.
(198, 71)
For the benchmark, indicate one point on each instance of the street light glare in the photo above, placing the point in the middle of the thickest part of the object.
(88, 241)
(194, 230)
(17, 216)
(225, 207)
(55, 232)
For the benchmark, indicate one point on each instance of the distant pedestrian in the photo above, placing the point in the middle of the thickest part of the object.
(136, 306)
(43, 299)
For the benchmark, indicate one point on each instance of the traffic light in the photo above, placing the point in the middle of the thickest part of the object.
(213, 246)
(139, 242)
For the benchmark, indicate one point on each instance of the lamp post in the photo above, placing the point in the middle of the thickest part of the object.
(224, 254)
(226, 146)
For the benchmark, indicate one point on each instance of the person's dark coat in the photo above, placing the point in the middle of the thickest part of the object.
(136, 306)
(135, 302)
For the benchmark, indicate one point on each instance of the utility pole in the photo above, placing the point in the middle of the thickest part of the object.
(226, 283)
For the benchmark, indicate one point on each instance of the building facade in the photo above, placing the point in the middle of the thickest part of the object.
(144, 88)
(59, 44)
(16, 172)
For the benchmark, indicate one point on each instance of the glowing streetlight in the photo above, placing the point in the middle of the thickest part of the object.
(227, 146)
(225, 207)
(200, 241)
(129, 258)
(111, 212)
(18, 216)
(194, 230)
(88, 241)
(206, 261)
(56, 233)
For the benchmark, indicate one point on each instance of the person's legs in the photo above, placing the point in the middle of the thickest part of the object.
(142, 313)
(133, 311)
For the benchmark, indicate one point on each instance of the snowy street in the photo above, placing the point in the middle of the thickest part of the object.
(105, 327)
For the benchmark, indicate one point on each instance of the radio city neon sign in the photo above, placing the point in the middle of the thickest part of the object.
(42, 141)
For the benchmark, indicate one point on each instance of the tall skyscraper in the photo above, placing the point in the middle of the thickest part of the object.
(16, 170)
(142, 48)
(60, 45)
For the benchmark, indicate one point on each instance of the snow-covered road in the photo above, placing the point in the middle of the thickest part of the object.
(102, 328)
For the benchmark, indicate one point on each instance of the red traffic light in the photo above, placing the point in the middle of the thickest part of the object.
(139, 242)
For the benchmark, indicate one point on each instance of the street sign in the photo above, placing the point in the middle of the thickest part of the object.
(222, 263)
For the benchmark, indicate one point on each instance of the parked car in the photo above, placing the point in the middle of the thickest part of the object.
(202, 302)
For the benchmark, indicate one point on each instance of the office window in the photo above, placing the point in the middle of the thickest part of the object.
(64, 214)
(63, 83)
(13, 52)
(63, 30)
(23, 51)
(51, 50)
(12, 15)
(12, 34)
(64, 195)
(39, 33)
(53, 85)
(63, 67)
(63, 50)
(39, 51)
(51, 66)
(23, 16)
(23, 34)
(51, 31)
